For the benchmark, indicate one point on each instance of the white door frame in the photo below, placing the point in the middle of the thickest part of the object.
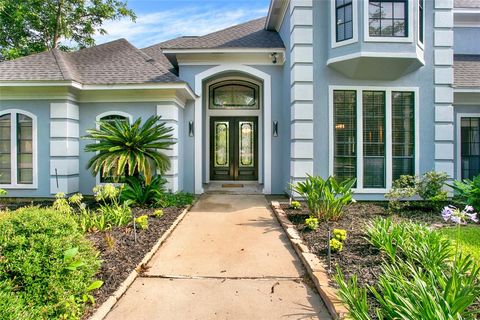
(267, 125)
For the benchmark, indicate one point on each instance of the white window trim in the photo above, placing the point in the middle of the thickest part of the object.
(388, 133)
(13, 139)
(417, 11)
(458, 160)
(97, 126)
(410, 25)
(333, 25)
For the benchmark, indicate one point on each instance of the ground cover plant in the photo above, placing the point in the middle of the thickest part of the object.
(47, 267)
(387, 261)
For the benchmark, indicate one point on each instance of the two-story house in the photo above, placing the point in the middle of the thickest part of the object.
(370, 89)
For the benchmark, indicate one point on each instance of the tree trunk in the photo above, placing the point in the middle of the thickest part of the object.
(58, 21)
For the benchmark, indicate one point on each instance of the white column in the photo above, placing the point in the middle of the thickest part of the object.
(443, 81)
(301, 78)
(170, 114)
(64, 148)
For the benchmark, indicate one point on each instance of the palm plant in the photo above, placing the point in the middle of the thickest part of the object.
(130, 149)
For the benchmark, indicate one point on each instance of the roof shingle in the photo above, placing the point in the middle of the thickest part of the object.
(251, 34)
(466, 70)
(116, 62)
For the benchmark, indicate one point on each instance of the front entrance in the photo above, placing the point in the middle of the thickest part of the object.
(234, 148)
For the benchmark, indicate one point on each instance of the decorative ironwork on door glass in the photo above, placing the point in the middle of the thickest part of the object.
(246, 145)
(221, 146)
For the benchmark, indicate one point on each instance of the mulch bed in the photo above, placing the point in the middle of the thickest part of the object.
(120, 254)
(358, 256)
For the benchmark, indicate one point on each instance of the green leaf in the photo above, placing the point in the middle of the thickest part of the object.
(95, 285)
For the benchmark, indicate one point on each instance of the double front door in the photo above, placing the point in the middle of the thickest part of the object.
(234, 148)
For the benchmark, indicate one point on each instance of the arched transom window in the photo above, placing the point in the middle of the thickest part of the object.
(17, 149)
(110, 177)
(234, 95)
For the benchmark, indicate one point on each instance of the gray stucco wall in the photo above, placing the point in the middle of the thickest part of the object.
(466, 40)
(285, 131)
(325, 76)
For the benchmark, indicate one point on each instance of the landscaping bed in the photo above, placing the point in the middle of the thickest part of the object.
(120, 254)
(358, 255)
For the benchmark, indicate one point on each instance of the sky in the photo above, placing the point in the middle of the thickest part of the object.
(160, 20)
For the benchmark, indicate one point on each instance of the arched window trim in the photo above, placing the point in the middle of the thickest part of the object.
(99, 118)
(13, 146)
(237, 82)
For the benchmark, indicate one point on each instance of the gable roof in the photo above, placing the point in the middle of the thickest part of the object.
(467, 4)
(251, 34)
(466, 70)
(116, 62)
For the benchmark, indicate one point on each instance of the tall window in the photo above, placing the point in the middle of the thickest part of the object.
(374, 139)
(403, 134)
(388, 18)
(111, 177)
(344, 20)
(345, 134)
(470, 147)
(16, 149)
(420, 20)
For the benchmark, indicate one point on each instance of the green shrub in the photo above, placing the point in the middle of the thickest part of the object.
(336, 245)
(179, 199)
(340, 234)
(428, 187)
(142, 222)
(3, 192)
(295, 205)
(46, 265)
(468, 191)
(311, 223)
(325, 198)
(423, 279)
(138, 192)
(158, 213)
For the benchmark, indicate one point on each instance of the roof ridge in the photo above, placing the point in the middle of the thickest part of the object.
(62, 64)
(234, 26)
(152, 61)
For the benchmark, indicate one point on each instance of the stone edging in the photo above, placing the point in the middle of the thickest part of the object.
(314, 266)
(108, 305)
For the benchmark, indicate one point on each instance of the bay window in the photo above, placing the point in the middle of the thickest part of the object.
(17, 152)
(373, 135)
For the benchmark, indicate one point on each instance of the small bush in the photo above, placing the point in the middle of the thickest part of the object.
(139, 192)
(311, 223)
(340, 234)
(468, 191)
(325, 198)
(295, 205)
(336, 245)
(46, 265)
(428, 187)
(142, 222)
(158, 213)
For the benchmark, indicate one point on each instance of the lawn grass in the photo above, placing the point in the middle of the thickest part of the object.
(469, 239)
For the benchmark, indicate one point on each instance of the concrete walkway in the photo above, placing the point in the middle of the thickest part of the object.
(228, 259)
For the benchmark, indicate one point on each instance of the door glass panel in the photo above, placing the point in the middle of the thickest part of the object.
(221, 144)
(234, 94)
(5, 155)
(246, 143)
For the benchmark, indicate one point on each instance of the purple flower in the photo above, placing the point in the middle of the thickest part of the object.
(456, 219)
(472, 216)
(447, 213)
(468, 209)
